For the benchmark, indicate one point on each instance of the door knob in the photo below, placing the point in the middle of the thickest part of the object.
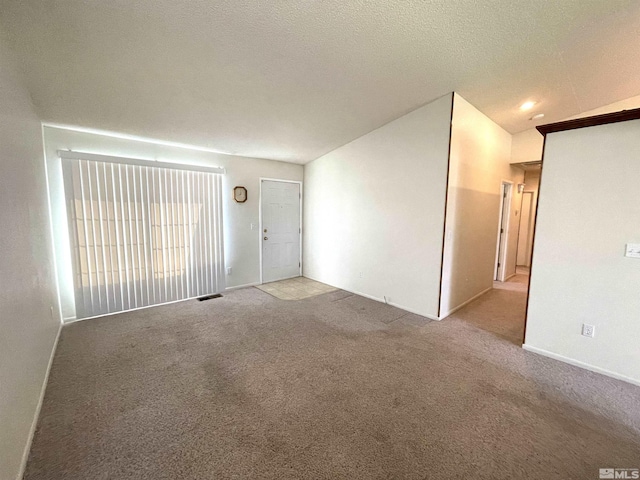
(266, 238)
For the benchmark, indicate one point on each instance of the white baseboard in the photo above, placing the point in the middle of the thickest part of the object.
(510, 276)
(410, 310)
(237, 287)
(36, 416)
(580, 364)
(467, 302)
(378, 299)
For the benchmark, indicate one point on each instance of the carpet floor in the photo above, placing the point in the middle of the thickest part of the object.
(333, 386)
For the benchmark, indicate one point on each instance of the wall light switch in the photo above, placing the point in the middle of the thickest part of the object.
(633, 250)
(228, 270)
(253, 226)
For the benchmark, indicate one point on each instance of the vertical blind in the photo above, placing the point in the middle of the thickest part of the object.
(141, 235)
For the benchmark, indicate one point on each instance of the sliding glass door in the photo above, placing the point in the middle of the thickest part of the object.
(142, 235)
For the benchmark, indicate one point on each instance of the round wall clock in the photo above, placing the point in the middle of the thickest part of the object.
(240, 194)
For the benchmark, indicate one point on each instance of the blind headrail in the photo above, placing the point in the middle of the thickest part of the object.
(71, 155)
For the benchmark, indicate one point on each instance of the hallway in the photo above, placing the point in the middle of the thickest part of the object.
(502, 310)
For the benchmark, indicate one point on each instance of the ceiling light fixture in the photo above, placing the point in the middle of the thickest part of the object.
(537, 116)
(527, 105)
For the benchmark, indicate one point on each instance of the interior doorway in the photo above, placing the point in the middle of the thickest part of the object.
(501, 311)
(280, 229)
(503, 230)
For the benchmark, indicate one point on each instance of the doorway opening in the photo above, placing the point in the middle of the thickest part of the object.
(280, 229)
(502, 309)
(506, 305)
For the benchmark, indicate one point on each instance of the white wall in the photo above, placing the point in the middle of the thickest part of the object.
(242, 244)
(480, 157)
(626, 104)
(29, 319)
(374, 211)
(527, 145)
(588, 210)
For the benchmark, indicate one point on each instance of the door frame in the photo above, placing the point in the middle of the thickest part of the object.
(299, 182)
(501, 256)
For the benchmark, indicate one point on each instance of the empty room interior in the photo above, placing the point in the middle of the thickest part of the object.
(319, 239)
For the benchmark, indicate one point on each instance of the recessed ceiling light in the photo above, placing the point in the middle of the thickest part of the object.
(527, 105)
(537, 116)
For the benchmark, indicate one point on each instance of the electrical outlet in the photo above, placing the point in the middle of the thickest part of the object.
(228, 270)
(588, 330)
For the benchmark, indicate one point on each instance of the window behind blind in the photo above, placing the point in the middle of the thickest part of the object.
(142, 235)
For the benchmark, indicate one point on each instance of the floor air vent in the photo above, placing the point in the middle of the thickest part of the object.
(209, 297)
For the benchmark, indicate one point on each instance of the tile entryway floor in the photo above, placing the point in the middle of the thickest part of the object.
(296, 288)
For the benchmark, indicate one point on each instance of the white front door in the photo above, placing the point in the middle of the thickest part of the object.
(280, 203)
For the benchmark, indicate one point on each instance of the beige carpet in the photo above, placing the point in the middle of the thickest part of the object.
(517, 283)
(334, 386)
(500, 311)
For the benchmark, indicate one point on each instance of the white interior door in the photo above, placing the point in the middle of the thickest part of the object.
(280, 204)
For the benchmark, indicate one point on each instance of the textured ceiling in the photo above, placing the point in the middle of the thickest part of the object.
(292, 80)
